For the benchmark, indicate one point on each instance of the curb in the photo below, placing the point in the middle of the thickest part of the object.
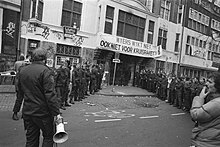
(129, 95)
(5, 92)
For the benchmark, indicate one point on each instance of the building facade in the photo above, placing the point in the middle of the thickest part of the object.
(200, 46)
(174, 36)
(9, 36)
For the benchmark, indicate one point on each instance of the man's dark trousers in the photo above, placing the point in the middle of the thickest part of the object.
(33, 125)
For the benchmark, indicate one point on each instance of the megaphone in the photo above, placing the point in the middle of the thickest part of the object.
(61, 135)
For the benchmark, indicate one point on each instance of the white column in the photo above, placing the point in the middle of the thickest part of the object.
(1, 23)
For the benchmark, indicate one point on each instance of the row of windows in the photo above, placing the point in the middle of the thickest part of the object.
(215, 25)
(197, 26)
(195, 42)
(201, 46)
(71, 12)
(199, 17)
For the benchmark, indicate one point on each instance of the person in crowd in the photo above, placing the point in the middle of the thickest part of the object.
(73, 92)
(19, 63)
(169, 80)
(207, 115)
(172, 93)
(187, 94)
(28, 59)
(36, 86)
(164, 84)
(88, 76)
(93, 81)
(67, 69)
(80, 82)
(179, 91)
(60, 84)
(18, 102)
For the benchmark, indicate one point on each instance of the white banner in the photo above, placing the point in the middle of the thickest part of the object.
(128, 46)
(198, 52)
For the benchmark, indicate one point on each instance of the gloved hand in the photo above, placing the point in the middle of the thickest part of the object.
(59, 119)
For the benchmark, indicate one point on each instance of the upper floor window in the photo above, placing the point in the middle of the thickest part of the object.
(131, 26)
(180, 14)
(162, 38)
(150, 32)
(176, 49)
(71, 14)
(188, 50)
(37, 9)
(198, 21)
(109, 20)
(165, 9)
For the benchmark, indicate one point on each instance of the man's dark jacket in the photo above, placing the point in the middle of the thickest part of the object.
(36, 85)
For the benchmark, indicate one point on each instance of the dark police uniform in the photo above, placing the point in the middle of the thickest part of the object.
(36, 86)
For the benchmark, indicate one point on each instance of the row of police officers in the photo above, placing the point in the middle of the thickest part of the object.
(76, 82)
(177, 91)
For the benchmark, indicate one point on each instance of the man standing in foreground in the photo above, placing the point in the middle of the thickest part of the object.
(18, 102)
(36, 86)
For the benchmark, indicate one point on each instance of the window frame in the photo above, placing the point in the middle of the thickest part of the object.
(75, 16)
(123, 24)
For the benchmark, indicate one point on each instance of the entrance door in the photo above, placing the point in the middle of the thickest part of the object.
(124, 71)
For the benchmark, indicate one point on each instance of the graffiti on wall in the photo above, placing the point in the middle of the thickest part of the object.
(57, 34)
(77, 40)
(10, 29)
(45, 32)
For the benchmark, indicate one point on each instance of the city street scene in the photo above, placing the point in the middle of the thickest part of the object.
(110, 73)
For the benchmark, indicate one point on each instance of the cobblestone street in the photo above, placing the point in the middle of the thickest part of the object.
(7, 102)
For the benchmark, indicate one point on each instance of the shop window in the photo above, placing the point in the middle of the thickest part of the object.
(162, 38)
(71, 13)
(68, 50)
(150, 32)
(109, 20)
(37, 9)
(130, 26)
(59, 60)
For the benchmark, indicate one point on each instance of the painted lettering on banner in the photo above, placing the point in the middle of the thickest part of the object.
(128, 46)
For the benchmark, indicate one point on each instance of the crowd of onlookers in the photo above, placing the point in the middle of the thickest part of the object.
(177, 91)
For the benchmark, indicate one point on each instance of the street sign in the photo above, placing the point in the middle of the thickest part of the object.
(116, 60)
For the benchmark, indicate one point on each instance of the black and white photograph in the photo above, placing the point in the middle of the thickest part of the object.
(110, 73)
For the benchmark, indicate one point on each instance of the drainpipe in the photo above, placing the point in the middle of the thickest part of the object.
(19, 31)
(181, 45)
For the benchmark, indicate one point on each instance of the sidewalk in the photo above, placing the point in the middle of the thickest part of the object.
(106, 91)
(7, 89)
(125, 91)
